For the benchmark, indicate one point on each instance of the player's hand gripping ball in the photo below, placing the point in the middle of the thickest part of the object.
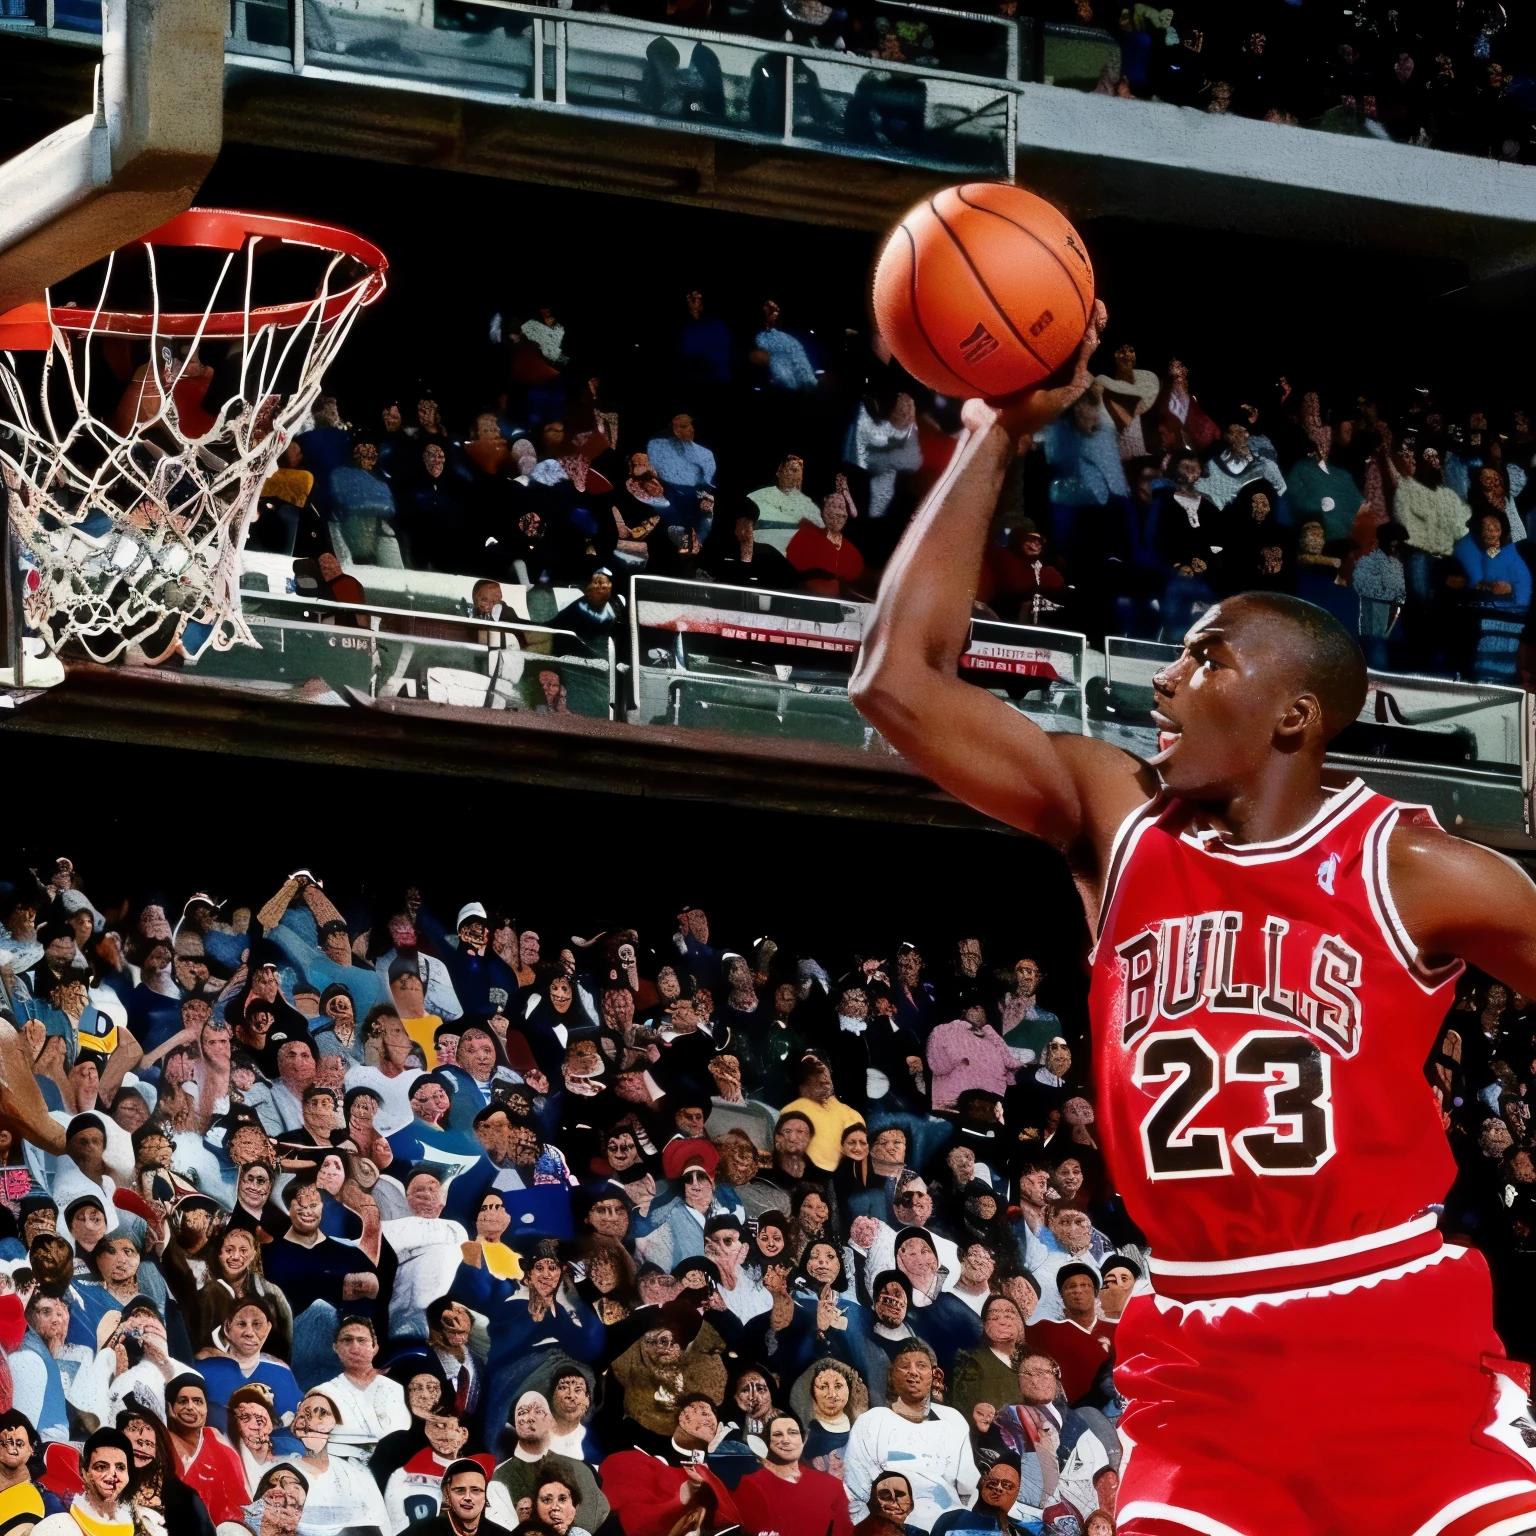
(984, 289)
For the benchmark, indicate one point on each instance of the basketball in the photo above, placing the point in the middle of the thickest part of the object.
(983, 289)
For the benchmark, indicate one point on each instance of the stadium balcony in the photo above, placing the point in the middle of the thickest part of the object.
(710, 692)
(780, 123)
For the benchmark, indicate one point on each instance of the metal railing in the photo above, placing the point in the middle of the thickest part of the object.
(403, 651)
(752, 89)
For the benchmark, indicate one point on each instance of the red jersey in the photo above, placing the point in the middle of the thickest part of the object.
(1261, 1020)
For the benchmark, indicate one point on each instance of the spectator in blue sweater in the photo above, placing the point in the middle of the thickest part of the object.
(531, 1322)
(784, 356)
(679, 458)
(703, 346)
(1497, 583)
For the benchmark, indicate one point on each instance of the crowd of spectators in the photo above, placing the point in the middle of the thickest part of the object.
(780, 460)
(321, 1215)
(1451, 74)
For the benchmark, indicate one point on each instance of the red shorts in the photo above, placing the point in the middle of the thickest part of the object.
(1379, 1406)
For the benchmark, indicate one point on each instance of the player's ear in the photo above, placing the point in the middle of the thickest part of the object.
(1302, 715)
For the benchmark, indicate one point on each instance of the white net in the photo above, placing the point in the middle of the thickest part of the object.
(133, 521)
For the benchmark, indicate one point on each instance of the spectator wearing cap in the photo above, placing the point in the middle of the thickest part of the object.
(483, 982)
(1120, 1276)
(428, 1138)
(682, 461)
(1081, 1342)
(530, 1321)
(297, 1063)
(409, 997)
(913, 1206)
(967, 1053)
(678, 1230)
(828, 1115)
(595, 618)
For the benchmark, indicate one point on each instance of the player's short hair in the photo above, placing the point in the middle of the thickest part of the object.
(1330, 662)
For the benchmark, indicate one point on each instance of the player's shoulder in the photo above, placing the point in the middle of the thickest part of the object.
(1419, 845)
(1432, 870)
(1110, 786)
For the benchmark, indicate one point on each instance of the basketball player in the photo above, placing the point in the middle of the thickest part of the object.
(1273, 961)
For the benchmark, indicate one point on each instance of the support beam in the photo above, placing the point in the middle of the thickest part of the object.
(136, 160)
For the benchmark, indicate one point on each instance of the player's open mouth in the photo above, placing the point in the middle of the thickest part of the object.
(1168, 733)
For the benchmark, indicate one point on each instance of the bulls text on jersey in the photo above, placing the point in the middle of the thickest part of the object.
(1182, 963)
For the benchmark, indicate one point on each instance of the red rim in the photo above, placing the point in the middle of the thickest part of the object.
(26, 328)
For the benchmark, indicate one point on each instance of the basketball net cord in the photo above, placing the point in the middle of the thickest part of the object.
(135, 539)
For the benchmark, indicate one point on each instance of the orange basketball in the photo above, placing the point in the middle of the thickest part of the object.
(983, 289)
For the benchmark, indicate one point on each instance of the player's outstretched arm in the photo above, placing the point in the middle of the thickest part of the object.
(1067, 790)
(1457, 899)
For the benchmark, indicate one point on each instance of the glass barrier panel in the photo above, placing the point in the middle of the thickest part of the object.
(933, 120)
(1075, 56)
(486, 50)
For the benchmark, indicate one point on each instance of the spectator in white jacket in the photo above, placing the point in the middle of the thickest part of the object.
(932, 1443)
(884, 443)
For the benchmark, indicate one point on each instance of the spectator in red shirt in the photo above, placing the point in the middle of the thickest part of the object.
(1019, 581)
(336, 586)
(1082, 1343)
(785, 1498)
(204, 1462)
(650, 1494)
(825, 556)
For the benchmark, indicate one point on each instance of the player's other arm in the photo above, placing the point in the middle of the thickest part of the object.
(1459, 900)
(1065, 789)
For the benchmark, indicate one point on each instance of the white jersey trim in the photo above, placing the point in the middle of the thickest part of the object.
(1472, 1501)
(1379, 890)
(1516, 1525)
(1218, 1306)
(1204, 1525)
(1150, 1509)
(1341, 804)
(1293, 1258)
(1127, 835)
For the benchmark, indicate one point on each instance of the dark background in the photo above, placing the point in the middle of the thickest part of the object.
(1239, 310)
(161, 824)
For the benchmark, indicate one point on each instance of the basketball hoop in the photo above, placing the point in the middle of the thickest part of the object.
(134, 524)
